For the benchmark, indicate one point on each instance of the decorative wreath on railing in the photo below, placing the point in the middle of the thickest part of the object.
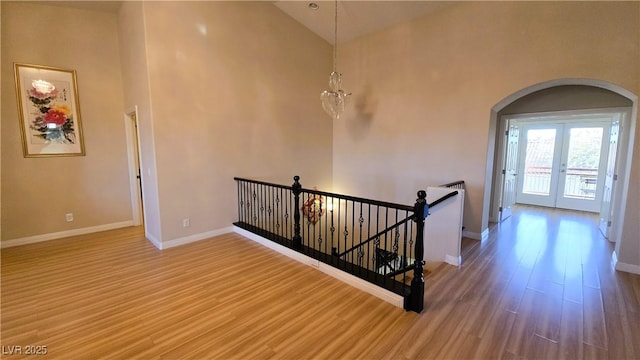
(313, 209)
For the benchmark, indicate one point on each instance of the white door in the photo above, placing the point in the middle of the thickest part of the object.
(563, 165)
(510, 172)
(582, 168)
(609, 178)
(540, 164)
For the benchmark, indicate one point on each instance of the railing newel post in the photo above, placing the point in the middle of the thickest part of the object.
(296, 188)
(415, 302)
(263, 206)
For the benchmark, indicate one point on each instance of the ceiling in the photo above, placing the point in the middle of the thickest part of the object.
(355, 18)
(111, 6)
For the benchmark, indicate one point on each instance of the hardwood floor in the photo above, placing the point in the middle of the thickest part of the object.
(541, 287)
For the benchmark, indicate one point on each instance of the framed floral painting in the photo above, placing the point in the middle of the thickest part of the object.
(49, 111)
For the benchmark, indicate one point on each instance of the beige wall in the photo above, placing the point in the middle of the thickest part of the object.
(567, 97)
(235, 91)
(424, 90)
(136, 95)
(37, 192)
(232, 90)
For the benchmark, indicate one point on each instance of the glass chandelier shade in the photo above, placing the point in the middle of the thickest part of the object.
(334, 99)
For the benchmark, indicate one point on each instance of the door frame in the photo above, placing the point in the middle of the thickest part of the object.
(611, 175)
(620, 189)
(623, 166)
(624, 157)
(133, 158)
(562, 121)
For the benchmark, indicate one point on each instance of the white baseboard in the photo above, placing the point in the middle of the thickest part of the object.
(191, 238)
(476, 236)
(471, 235)
(392, 298)
(63, 234)
(630, 268)
(157, 243)
(347, 278)
(453, 260)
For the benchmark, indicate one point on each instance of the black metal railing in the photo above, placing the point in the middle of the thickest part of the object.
(377, 241)
(454, 185)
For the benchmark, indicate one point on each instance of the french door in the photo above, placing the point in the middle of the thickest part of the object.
(562, 165)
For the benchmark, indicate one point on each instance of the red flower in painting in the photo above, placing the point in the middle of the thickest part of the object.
(54, 116)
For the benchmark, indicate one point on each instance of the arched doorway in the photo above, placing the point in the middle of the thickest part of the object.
(602, 94)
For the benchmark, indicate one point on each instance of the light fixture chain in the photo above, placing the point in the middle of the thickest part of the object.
(333, 100)
(335, 36)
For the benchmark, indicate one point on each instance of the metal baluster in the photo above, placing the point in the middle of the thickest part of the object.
(263, 213)
(396, 247)
(376, 242)
(334, 249)
(254, 215)
(319, 225)
(286, 214)
(338, 228)
(405, 262)
(361, 249)
(272, 225)
(346, 227)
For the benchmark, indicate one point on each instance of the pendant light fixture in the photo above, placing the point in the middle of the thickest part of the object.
(333, 100)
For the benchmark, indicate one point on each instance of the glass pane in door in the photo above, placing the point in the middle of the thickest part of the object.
(583, 159)
(538, 161)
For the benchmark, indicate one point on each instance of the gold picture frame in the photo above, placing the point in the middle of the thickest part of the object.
(49, 111)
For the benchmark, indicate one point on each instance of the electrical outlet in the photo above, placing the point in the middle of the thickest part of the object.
(186, 222)
(69, 217)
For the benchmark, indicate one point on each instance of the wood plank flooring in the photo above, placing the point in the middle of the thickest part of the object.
(541, 287)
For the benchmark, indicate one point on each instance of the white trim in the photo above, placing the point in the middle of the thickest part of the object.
(132, 153)
(452, 260)
(471, 235)
(193, 238)
(277, 247)
(630, 268)
(380, 293)
(63, 234)
(347, 278)
(623, 169)
(476, 236)
(560, 82)
(157, 243)
(561, 116)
